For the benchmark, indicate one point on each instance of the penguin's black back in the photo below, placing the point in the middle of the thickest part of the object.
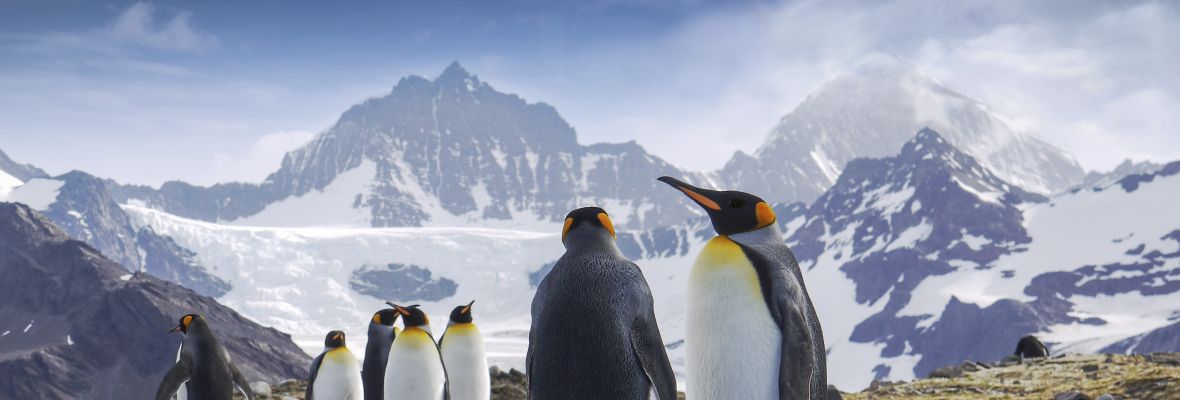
(1029, 347)
(376, 358)
(580, 343)
(211, 376)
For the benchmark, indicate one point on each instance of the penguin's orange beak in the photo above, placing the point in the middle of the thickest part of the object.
(703, 197)
(174, 329)
(467, 309)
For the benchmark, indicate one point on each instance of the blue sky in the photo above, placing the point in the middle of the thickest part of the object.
(217, 91)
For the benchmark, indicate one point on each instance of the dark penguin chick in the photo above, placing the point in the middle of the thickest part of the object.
(464, 356)
(203, 366)
(415, 368)
(381, 335)
(746, 295)
(334, 374)
(594, 332)
(1030, 347)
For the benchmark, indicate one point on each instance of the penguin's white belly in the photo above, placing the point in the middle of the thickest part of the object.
(415, 370)
(732, 343)
(339, 377)
(182, 393)
(467, 364)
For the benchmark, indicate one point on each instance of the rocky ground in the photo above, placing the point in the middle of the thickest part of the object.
(1072, 377)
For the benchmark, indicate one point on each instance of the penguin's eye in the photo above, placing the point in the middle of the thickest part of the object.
(736, 203)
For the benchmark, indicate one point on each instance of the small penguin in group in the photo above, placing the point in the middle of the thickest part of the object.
(1031, 347)
(335, 374)
(415, 368)
(203, 367)
(751, 330)
(463, 355)
(381, 335)
(594, 333)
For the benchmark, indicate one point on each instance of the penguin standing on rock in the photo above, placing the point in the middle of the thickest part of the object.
(464, 356)
(594, 333)
(203, 367)
(415, 369)
(381, 335)
(334, 374)
(751, 331)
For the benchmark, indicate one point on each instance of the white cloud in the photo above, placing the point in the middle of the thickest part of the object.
(263, 157)
(137, 25)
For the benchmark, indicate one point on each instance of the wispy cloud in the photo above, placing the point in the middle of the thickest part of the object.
(137, 25)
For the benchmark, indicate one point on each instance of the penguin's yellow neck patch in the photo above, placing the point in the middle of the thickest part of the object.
(467, 328)
(413, 337)
(722, 258)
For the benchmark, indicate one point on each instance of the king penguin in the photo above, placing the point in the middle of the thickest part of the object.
(594, 333)
(464, 356)
(381, 334)
(751, 331)
(415, 369)
(335, 374)
(204, 366)
(1031, 347)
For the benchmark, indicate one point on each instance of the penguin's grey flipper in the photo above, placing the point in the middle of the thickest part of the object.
(241, 382)
(646, 342)
(790, 306)
(175, 377)
(315, 370)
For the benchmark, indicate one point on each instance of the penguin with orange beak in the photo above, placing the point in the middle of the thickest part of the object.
(751, 330)
(203, 366)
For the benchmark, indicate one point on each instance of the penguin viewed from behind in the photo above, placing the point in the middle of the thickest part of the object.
(415, 369)
(335, 374)
(204, 366)
(1030, 347)
(464, 357)
(751, 331)
(594, 333)
(381, 334)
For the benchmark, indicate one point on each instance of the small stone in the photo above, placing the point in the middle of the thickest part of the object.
(947, 372)
(1089, 368)
(1071, 395)
(1105, 397)
(260, 389)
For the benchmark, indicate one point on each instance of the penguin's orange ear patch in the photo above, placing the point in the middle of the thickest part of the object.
(569, 223)
(605, 221)
(187, 320)
(377, 318)
(765, 214)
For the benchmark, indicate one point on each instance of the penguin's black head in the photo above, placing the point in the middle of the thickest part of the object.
(412, 316)
(592, 220)
(334, 339)
(385, 317)
(731, 211)
(462, 314)
(185, 321)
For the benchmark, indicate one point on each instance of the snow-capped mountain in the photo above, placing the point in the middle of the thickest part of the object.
(81, 206)
(870, 112)
(75, 325)
(1095, 179)
(443, 152)
(11, 171)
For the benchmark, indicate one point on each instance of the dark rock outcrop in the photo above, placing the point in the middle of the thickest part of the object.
(78, 325)
(401, 283)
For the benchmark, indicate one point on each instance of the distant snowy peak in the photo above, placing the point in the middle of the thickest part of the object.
(10, 170)
(443, 152)
(1096, 179)
(870, 112)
